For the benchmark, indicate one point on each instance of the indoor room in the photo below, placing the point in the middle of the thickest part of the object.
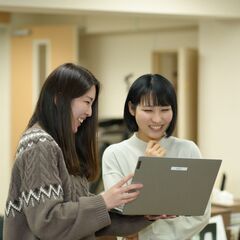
(194, 44)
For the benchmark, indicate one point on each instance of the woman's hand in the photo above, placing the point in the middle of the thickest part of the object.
(121, 193)
(157, 217)
(154, 149)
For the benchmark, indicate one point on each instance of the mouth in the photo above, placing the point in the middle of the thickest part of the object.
(156, 127)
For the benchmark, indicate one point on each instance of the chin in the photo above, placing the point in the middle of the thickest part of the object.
(156, 138)
(75, 130)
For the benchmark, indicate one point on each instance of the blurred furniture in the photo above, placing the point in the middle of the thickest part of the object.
(1, 227)
(209, 230)
(226, 211)
(112, 130)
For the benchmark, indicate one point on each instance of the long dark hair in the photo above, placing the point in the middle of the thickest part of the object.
(145, 88)
(53, 113)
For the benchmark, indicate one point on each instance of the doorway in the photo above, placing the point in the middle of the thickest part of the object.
(181, 68)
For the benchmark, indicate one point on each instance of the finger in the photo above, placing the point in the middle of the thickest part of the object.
(161, 152)
(150, 144)
(172, 216)
(130, 199)
(124, 180)
(132, 187)
(156, 147)
(130, 195)
(149, 217)
(156, 217)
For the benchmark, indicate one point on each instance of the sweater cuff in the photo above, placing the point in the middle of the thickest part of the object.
(101, 213)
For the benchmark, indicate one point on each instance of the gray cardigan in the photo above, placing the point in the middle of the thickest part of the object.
(46, 202)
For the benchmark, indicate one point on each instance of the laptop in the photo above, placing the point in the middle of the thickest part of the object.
(174, 186)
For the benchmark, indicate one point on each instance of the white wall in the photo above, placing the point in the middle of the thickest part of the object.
(200, 8)
(4, 116)
(219, 105)
(113, 56)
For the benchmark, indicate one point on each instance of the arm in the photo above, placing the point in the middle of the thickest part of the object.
(112, 171)
(124, 225)
(68, 220)
(45, 198)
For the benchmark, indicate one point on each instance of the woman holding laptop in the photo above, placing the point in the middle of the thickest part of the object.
(150, 113)
(55, 160)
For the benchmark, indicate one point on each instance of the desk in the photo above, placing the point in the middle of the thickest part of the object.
(226, 211)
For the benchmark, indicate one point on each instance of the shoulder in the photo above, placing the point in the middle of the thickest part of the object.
(38, 163)
(36, 147)
(116, 148)
(35, 138)
(182, 142)
(117, 153)
(184, 147)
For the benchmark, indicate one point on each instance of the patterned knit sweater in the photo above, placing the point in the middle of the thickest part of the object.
(46, 202)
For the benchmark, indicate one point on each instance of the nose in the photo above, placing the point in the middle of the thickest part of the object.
(89, 111)
(156, 117)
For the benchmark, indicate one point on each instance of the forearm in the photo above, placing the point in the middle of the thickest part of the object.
(124, 225)
(72, 220)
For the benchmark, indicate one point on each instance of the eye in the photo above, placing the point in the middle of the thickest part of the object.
(165, 109)
(147, 109)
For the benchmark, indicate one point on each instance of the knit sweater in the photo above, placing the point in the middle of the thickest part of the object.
(120, 159)
(46, 202)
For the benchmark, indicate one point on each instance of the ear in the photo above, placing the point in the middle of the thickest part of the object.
(56, 97)
(131, 108)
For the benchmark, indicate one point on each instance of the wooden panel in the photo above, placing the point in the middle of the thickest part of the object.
(5, 17)
(63, 49)
(181, 67)
(187, 93)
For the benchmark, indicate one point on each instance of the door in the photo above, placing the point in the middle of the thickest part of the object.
(35, 51)
(181, 68)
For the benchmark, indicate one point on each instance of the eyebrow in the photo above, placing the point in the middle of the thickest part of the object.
(90, 98)
(167, 106)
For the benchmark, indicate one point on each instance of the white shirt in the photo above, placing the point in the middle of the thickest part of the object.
(120, 159)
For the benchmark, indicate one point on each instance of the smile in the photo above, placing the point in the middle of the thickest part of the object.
(155, 127)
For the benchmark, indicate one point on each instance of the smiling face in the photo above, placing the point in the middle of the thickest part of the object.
(152, 120)
(82, 108)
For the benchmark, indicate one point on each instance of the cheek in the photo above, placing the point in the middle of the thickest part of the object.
(141, 118)
(74, 112)
(76, 109)
(168, 117)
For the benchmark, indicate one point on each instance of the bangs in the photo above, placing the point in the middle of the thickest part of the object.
(153, 99)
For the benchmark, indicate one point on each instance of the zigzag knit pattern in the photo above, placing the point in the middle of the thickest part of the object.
(37, 168)
(32, 196)
(32, 137)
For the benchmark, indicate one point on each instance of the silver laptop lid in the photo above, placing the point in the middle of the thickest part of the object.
(176, 186)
